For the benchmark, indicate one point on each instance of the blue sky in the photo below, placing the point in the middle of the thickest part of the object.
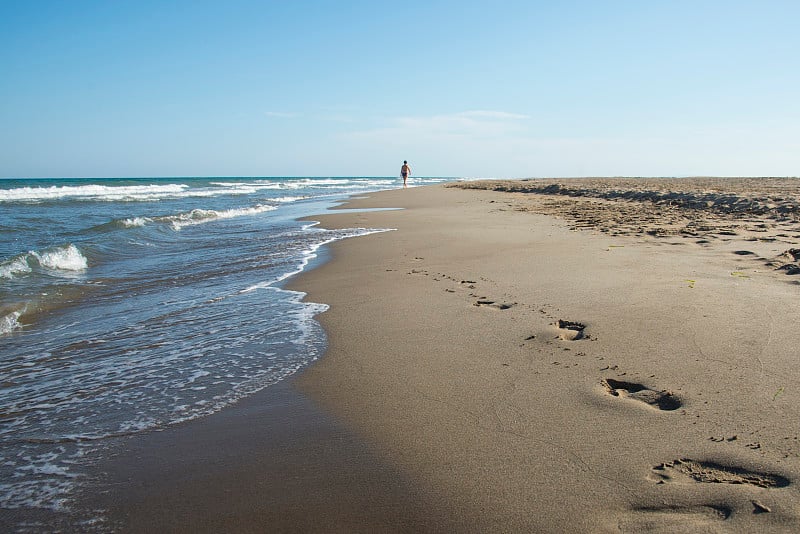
(343, 88)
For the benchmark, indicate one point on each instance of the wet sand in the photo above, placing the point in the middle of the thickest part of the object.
(512, 361)
(271, 463)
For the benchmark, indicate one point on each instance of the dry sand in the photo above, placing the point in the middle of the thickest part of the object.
(556, 361)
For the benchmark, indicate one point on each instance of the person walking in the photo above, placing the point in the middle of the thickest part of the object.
(405, 172)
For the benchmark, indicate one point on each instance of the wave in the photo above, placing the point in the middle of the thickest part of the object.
(14, 266)
(64, 258)
(10, 321)
(91, 192)
(60, 262)
(67, 258)
(196, 216)
(134, 222)
(250, 187)
(128, 193)
(200, 216)
(151, 192)
(333, 183)
(284, 200)
(302, 183)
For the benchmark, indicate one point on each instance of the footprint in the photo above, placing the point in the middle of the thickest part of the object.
(787, 261)
(685, 470)
(493, 304)
(661, 400)
(673, 519)
(570, 330)
(759, 508)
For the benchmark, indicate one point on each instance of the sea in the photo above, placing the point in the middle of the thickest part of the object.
(129, 305)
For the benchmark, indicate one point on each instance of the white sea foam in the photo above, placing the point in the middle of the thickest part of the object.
(193, 354)
(200, 216)
(10, 322)
(93, 192)
(47, 494)
(133, 193)
(134, 222)
(287, 199)
(44, 481)
(66, 258)
(315, 183)
(305, 182)
(129, 193)
(14, 266)
(248, 187)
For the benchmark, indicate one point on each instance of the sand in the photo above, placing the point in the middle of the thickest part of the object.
(574, 362)
(271, 463)
(562, 356)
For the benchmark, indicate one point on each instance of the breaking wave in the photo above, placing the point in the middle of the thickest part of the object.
(92, 192)
(63, 258)
(200, 216)
(134, 222)
(10, 321)
(14, 267)
(151, 192)
(67, 258)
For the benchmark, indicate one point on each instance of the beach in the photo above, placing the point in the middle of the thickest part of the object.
(509, 359)
(133, 307)
(547, 373)
(436, 267)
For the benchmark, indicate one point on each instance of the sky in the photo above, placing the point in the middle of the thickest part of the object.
(352, 88)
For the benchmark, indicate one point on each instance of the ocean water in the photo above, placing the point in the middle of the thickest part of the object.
(128, 305)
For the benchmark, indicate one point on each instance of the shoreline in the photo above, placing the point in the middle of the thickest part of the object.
(491, 367)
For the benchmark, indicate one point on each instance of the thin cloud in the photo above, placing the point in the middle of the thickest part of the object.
(473, 124)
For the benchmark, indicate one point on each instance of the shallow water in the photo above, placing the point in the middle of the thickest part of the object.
(131, 305)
